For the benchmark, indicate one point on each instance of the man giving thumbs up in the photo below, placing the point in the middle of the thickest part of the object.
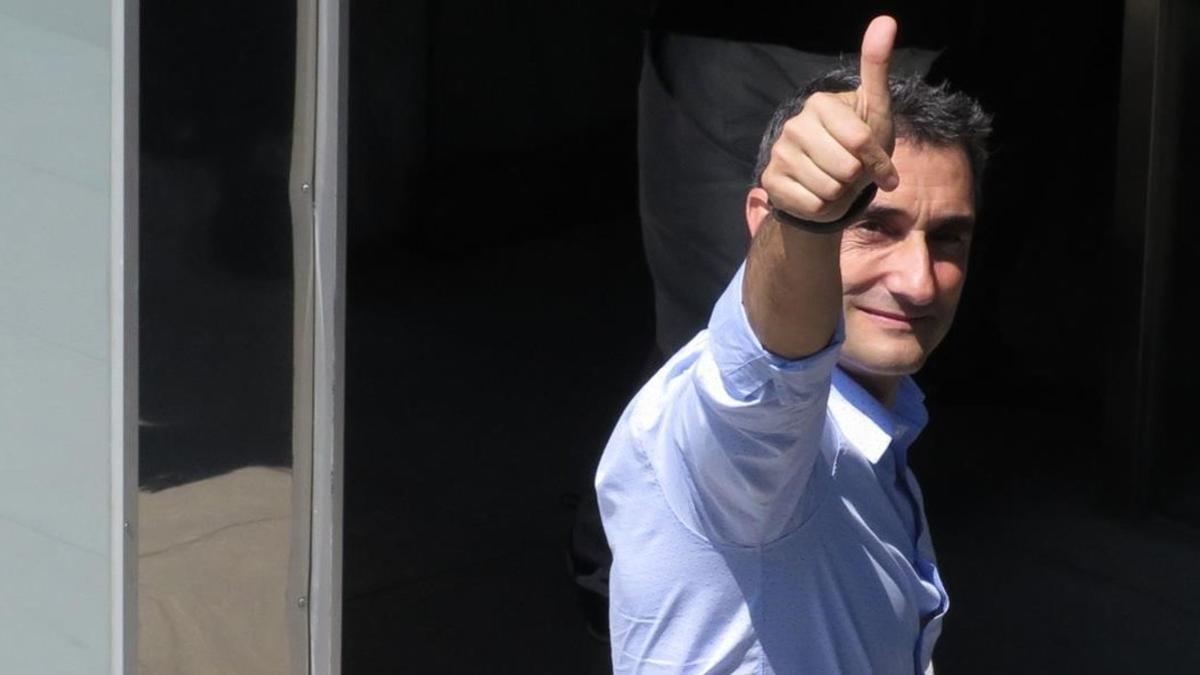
(756, 492)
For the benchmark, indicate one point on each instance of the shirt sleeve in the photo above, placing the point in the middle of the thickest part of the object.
(739, 429)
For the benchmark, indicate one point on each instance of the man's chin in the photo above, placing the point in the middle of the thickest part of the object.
(883, 364)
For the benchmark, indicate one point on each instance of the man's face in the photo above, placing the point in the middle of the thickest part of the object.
(904, 262)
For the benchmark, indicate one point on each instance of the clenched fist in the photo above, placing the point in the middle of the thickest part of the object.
(839, 143)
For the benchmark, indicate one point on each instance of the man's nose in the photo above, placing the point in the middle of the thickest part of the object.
(911, 275)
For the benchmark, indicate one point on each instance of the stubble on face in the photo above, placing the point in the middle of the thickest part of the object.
(904, 263)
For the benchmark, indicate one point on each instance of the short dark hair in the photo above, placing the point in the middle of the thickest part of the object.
(921, 112)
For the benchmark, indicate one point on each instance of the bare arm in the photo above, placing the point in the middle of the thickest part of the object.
(825, 156)
(792, 289)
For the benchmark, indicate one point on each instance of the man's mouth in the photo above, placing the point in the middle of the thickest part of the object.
(892, 319)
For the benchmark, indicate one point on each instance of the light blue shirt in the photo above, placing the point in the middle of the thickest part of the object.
(763, 518)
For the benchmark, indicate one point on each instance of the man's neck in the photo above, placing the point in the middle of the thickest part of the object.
(883, 387)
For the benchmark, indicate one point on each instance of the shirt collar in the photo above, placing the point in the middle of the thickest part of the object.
(867, 424)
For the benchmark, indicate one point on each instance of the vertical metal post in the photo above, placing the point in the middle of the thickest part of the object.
(300, 197)
(329, 189)
(318, 211)
(123, 342)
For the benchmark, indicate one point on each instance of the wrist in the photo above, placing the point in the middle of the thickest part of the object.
(856, 209)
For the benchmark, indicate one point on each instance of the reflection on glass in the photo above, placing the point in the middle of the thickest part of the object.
(213, 560)
(216, 543)
(1178, 470)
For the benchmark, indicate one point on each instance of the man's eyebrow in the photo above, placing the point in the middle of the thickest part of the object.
(961, 222)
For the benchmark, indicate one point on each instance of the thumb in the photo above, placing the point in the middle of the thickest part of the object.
(874, 99)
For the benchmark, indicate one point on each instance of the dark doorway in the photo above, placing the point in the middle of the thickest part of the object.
(500, 315)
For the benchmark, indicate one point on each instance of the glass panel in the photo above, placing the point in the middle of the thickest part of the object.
(216, 327)
(1178, 470)
(55, 149)
(486, 358)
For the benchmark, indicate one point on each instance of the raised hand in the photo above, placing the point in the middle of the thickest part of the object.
(839, 142)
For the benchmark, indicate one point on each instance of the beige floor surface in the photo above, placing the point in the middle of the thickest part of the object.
(212, 576)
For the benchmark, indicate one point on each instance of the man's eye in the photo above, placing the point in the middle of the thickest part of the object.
(949, 239)
(871, 226)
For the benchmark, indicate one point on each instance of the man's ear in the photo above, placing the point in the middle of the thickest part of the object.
(758, 209)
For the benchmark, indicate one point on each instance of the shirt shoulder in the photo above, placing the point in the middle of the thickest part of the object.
(729, 431)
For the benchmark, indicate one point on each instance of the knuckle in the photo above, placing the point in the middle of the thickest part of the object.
(880, 166)
(797, 128)
(818, 99)
(851, 171)
(858, 139)
(795, 201)
(770, 182)
(790, 137)
(793, 126)
(778, 160)
(827, 190)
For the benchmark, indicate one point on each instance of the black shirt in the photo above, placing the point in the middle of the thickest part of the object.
(823, 27)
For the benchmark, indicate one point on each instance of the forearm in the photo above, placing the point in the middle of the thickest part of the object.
(821, 160)
(792, 289)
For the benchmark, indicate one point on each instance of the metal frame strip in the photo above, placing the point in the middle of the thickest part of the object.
(300, 198)
(329, 354)
(123, 336)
